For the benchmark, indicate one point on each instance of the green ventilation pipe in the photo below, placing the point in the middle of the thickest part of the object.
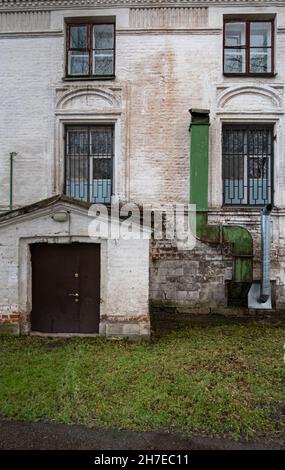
(239, 238)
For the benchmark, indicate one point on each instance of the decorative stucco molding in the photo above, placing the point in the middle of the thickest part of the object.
(88, 98)
(60, 4)
(146, 18)
(24, 21)
(251, 96)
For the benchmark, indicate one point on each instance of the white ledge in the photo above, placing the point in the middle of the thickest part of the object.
(169, 30)
(31, 34)
(29, 5)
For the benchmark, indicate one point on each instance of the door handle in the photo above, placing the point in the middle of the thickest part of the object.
(74, 295)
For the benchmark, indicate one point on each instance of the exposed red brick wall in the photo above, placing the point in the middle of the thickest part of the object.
(9, 317)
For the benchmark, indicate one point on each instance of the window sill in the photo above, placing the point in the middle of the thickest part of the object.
(251, 75)
(93, 78)
(242, 208)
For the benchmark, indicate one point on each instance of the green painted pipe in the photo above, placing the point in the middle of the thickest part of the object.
(199, 164)
(239, 237)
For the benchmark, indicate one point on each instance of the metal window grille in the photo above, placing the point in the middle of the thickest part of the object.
(247, 165)
(89, 153)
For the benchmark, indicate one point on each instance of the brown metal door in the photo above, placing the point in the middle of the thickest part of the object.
(65, 288)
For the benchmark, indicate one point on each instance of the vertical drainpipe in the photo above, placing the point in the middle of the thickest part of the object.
(12, 155)
(265, 290)
(239, 238)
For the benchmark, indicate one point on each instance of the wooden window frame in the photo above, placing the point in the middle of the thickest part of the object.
(247, 47)
(90, 49)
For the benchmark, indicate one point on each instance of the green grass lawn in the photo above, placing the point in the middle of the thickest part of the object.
(223, 379)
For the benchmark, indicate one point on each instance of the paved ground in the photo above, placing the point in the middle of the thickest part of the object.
(40, 436)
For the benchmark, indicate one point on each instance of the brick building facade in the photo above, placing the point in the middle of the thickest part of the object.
(73, 70)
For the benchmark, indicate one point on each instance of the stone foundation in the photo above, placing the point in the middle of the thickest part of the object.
(192, 279)
(132, 329)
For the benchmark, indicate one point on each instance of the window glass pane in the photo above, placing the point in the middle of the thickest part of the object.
(101, 183)
(77, 177)
(258, 167)
(260, 34)
(101, 191)
(233, 166)
(103, 63)
(259, 192)
(259, 142)
(78, 37)
(234, 142)
(235, 34)
(77, 164)
(234, 61)
(78, 63)
(79, 169)
(260, 60)
(102, 142)
(77, 142)
(103, 36)
(102, 168)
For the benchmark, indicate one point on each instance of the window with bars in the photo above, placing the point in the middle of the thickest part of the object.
(91, 50)
(248, 47)
(89, 153)
(247, 165)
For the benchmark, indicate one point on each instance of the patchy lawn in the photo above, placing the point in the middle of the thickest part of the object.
(223, 379)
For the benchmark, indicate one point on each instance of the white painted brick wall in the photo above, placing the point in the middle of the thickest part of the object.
(166, 72)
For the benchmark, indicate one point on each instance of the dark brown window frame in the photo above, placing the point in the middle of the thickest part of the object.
(247, 47)
(90, 49)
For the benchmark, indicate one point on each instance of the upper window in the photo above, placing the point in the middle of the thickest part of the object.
(91, 50)
(248, 47)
